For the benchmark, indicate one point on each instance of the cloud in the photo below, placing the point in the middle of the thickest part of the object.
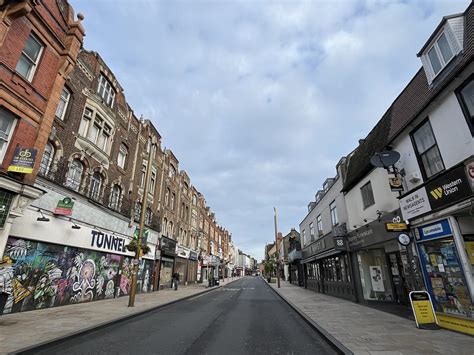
(259, 100)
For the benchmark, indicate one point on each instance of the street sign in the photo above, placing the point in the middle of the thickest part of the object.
(423, 310)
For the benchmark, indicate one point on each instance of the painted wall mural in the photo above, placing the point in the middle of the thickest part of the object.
(42, 275)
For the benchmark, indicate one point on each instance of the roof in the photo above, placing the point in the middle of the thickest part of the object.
(359, 163)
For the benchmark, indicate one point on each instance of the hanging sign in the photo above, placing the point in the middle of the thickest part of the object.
(23, 160)
(395, 183)
(423, 310)
(396, 227)
(404, 239)
(64, 207)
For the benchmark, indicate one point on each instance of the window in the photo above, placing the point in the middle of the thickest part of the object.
(29, 58)
(63, 101)
(466, 97)
(367, 195)
(440, 54)
(311, 231)
(7, 123)
(122, 156)
(185, 189)
(46, 159)
(167, 196)
(194, 200)
(95, 129)
(303, 234)
(172, 171)
(152, 182)
(74, 175)
(106, 91)
(137, 211)
(115, 194)
(182, 210)
(173, 198)
(333, 210)
(143, 175)
(429, 157)
(95, 186)
(148, 216)
(319, 222)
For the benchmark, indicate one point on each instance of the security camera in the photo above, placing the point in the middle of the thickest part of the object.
(365, 220)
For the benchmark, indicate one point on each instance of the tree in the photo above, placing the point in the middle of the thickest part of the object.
(269, 267)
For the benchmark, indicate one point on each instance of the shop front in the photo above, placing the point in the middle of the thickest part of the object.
(296, 271)
(444, 233)
(167, 262)
(192, 267)
(328, 269)
(382, 265)
(50, 261)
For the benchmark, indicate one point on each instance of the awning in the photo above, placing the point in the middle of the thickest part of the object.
(321, 256)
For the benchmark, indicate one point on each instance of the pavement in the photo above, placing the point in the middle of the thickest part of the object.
(26, 329)
(244, 317)
(365, 330)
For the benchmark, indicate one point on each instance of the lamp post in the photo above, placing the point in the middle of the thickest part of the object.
(276, 248)
(136, 261)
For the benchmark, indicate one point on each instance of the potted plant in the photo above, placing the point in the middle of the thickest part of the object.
(133, 246)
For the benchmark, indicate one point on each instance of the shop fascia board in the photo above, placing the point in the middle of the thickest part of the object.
(468, 203)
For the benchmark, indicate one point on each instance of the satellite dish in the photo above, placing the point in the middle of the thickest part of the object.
(385, 159)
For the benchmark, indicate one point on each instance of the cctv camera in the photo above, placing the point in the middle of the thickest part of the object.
(365, 220)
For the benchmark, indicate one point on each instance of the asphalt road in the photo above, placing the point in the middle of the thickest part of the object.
(243, 317)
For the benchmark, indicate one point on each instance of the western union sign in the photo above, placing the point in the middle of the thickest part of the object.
(448, 188)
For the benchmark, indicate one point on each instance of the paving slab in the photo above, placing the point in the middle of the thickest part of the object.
(365, 330)
(27, 329)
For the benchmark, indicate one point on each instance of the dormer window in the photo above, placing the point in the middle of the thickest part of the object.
(440, 54)
(106, 91)
(442, 46)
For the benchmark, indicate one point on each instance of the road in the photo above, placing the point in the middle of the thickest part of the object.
(243, 317)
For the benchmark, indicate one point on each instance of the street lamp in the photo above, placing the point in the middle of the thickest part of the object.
(133, 289)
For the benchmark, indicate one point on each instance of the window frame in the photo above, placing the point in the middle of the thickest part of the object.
(115, 203)
(364, 204)
(66, 104)
(122, 152)
(91, 118)
(467, 115)
(108, 92)
(35, 63)
(311, 231)
(319, 223)
(419, 156)
(95, 185)
(47, 165)
(67, 183)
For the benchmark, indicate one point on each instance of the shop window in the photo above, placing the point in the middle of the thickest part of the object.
(367, 195)
(427, 151)
(46, 159)
(465, 96)
(63, 102)
(29, 58)
(374, 275)
(444, 277)
(7, 124)
(74, 175)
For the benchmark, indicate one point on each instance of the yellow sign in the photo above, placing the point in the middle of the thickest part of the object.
(458, 324)
(437, 193)
(396, 227)
(23, 160)
(423, 310)
(20, 169)
(470, 251)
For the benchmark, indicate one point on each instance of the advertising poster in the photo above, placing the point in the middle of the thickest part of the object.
(376, 278)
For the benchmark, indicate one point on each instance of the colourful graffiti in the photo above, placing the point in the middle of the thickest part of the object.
(42, 275)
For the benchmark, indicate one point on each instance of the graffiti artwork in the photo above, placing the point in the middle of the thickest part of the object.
(42, 275)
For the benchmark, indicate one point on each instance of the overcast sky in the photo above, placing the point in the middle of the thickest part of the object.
(260, 99)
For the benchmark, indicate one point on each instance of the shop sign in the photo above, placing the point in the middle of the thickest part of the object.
(5, 204)
(340, 243)
(415, 204)
(434, 230)
(168, 246)
(449, 188)
(470, 174)
(339, 230)
(395, 183)
(64, 207)
(423, 310)
(193, 255)
(404, 239)
(182, 252)
(23, 160)
(358, 238)
(108, 242)
(396, 227)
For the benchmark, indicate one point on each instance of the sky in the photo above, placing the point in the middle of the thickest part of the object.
(260, 99)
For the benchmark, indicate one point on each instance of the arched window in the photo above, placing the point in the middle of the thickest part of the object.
(122, 156)
(115, 194)
(47, 159)
(95, 186)
(74, 175)
(167, 196)
(165, 226)
(194, 200)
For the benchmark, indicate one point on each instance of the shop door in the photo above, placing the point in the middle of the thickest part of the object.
(398, 278)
